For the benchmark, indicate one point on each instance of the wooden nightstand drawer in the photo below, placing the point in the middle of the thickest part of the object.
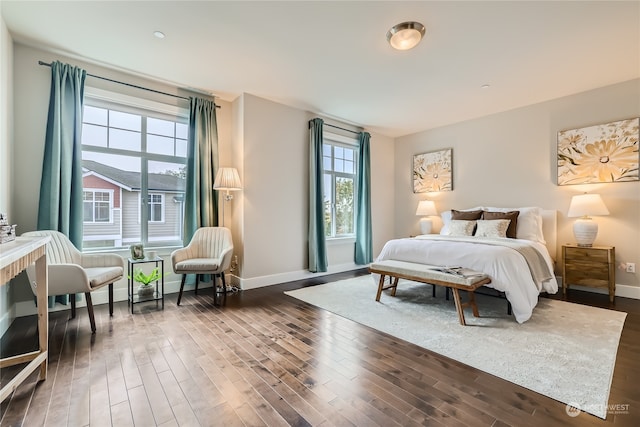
(575, 270)
(586, 254)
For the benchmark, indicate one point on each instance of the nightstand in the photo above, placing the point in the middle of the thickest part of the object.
(589, 266)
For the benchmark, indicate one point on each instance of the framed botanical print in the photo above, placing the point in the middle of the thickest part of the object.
(600, 153)
(433, 171)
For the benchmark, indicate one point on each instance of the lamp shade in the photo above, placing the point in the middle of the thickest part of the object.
(587, 205)
(426, 208)
(227, 179)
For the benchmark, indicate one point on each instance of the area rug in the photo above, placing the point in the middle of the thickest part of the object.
(565, 351)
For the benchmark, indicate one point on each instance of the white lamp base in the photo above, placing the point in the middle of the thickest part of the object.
(425, 225)
(585, 231)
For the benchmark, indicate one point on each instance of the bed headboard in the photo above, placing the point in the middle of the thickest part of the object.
(549, 230)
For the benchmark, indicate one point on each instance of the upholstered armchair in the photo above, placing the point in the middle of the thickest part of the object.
(209, 252)
(70, 271)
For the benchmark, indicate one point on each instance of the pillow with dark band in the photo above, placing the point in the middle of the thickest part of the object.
(511, 215)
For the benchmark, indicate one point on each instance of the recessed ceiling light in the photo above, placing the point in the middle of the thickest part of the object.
(406, 35)
(158, 34)
(485, 86)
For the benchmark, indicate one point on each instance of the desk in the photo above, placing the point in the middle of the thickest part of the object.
(15, 257)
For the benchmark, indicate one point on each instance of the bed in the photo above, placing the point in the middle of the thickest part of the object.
(521, 266)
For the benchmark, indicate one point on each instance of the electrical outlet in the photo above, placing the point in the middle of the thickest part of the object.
(631, 267)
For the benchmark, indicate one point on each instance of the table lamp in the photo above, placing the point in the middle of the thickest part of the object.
(426, 208)
(583, 206)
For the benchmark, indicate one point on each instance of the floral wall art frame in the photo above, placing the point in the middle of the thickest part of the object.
(433, 171)
(600, 153)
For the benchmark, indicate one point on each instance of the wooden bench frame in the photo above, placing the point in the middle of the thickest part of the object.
(441, 281)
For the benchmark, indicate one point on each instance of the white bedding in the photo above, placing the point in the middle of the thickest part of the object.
(507, 267)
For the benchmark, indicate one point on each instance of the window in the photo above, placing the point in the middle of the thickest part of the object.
(137, 149)
(156, 207)
(96, 205)
(339, 164)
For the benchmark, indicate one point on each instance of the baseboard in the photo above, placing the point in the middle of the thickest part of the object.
(624, 291)
(274, 279)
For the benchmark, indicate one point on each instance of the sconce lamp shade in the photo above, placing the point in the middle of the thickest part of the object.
(583, 206)
(426, 208)
(227, 179)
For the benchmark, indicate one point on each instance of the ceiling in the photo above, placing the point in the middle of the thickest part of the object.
(332, 57)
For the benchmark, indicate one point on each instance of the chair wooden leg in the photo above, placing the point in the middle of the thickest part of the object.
(87, 296)
(111, 299)
(72, 300)
(224, 284)
(184, 277)
(197, 280)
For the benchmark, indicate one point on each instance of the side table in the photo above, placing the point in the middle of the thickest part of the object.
(592, 266)
(158, 294)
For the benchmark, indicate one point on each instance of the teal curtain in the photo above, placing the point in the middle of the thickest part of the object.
(200, 202)
(364, 240)
(317, 244)
(60, 204)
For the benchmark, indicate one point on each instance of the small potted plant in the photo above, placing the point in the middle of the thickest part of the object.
(146, 287)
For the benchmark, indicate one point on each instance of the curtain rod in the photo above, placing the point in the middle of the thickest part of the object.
(130, 85)
(338, 127)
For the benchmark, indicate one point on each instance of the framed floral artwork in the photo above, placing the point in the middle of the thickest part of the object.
(433, 171)
(600, 153)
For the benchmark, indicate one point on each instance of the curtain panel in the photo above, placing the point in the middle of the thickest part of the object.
(317, 244)
(364, 240)
(60, 202)
(201, 204)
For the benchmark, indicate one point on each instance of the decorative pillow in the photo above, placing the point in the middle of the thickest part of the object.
(466, 215)
(492, 228)
(529, 222)
(447, 216)
(461, 227)
(511, 216)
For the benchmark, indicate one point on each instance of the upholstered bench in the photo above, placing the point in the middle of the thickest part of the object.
(425, 273)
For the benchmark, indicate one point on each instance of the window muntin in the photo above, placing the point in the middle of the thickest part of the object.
(339, 163)
(97, 205)
(144, 153)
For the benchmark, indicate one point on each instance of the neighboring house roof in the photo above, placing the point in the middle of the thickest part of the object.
(131, 180)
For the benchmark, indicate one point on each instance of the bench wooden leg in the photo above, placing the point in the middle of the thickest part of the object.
(458, 303)
(394, 286)
(380, 286)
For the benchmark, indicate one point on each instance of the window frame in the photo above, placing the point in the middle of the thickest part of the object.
(94, 191)
(335, 140)
(145, 109)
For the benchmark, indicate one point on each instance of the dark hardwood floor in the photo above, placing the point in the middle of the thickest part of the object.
(264, 358)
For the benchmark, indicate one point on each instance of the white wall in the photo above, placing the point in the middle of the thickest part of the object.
(275, 158)
(6, 135)
(509, 159)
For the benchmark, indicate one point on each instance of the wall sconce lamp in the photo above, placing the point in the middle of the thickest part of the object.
(229, 180)
(585, 229)
(426, 208)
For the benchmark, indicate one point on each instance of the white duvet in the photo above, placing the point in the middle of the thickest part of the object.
(507, 267)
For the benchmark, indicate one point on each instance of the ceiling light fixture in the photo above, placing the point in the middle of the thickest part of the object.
(158, 34)
(406, 35)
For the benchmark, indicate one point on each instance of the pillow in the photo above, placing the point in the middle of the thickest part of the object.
(492, 228)
(459, 227)
(446, 217)
(529, 223)
(511, 216)
(466, 215)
